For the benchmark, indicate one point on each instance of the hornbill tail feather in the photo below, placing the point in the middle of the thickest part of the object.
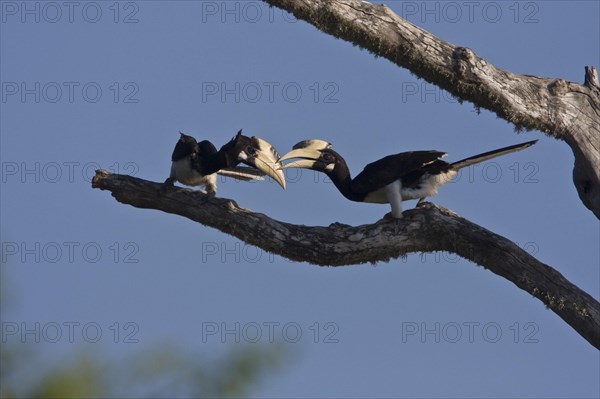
(491, 154)
(242, 173)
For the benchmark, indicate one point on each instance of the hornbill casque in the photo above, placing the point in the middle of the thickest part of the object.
(392, 179)
(197, 164)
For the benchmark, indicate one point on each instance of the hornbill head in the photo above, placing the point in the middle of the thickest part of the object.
(186, 146)
(257, 153)
(316, 155)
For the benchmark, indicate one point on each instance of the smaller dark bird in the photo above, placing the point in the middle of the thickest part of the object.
(197, 164)
(392, 179)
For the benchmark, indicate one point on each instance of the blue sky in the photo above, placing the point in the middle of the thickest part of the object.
(106, 84)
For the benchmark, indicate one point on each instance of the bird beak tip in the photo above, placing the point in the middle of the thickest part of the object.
(279, 177)
(269, 166)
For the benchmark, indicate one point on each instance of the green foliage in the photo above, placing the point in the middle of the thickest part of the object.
(158, 372)
(82, 379)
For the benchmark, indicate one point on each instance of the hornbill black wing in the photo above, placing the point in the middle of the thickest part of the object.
(184, 147)
(404, 165)
(205, 148)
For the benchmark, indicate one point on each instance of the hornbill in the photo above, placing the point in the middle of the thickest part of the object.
(392, 179)
(197, 164)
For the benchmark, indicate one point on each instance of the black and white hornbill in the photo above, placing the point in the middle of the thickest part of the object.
(393, 179)
(197, 164)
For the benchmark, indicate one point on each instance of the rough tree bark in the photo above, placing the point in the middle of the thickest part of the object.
(564, 110)
(424, 229)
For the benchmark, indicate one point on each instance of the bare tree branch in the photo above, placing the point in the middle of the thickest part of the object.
(565, 110)
(591, 78)
(425, 229)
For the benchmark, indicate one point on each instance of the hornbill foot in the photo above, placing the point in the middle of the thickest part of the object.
(389, 215)
(210, 191)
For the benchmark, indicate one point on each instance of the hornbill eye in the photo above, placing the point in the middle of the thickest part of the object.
(251, 150)
(327, 157)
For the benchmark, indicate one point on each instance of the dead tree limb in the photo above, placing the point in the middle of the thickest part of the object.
(424, 229)
(564, 110)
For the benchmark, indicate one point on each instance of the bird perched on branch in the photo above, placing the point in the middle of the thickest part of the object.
(392, 179)
(197, 164)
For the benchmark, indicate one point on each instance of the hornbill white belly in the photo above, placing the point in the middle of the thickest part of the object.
(197, 164)
(392, 179)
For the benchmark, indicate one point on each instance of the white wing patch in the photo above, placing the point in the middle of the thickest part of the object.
(428, 186)
(394, 193)
(182, 172)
